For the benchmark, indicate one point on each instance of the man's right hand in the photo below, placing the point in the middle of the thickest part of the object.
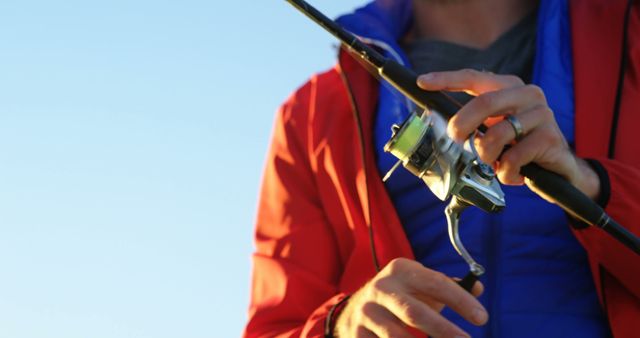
(406, 294)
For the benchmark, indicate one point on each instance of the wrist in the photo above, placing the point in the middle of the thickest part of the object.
(588, 180)
(605, 184)
(332, 317)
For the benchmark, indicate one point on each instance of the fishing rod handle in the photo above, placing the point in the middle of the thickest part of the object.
(577, 203)
(564, 194)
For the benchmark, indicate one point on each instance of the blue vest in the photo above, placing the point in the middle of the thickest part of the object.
(537, 280)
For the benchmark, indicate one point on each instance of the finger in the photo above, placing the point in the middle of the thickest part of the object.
(512, 100)
(491, 144)
(478, 288)
(545, 146)
(383, 323)
(363, 332)
(467, 80)
(420, 316)
(447, 292)
(444, 290)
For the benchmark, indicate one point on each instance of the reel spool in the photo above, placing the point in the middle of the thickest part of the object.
(423, 147)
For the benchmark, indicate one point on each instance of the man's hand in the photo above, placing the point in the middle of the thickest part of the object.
(500, 95)
(406, 294)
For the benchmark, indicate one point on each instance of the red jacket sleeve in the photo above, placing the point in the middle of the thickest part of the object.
(296, 263)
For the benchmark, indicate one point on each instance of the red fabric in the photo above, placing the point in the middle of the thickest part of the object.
(597, 30)
(321, 188)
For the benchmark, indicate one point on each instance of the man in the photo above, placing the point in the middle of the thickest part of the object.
(338, 252)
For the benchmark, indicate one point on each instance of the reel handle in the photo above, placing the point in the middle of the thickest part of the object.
(468, 281)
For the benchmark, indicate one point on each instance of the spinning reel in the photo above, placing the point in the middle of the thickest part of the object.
(449, 169)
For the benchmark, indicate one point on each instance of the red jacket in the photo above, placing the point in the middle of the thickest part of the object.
(321, 189)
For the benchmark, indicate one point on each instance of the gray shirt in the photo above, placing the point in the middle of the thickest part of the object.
(512, 53)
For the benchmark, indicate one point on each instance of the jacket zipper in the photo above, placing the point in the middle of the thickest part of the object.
(363, 159)
(493, 251)
(358, 121)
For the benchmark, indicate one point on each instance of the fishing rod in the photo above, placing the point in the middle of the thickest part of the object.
(409, 139)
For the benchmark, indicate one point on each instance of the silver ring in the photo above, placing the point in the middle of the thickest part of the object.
(517, 126)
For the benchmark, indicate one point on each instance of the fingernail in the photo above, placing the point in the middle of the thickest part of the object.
(427, 77)
(479, 315)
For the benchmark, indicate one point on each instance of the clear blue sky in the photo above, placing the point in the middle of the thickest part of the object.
(132, 140)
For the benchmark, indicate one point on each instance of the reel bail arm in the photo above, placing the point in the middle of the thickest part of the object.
(455, 207)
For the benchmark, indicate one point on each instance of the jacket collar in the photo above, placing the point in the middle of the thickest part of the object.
(381, 23)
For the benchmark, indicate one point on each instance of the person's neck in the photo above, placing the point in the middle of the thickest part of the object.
(472, 23)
